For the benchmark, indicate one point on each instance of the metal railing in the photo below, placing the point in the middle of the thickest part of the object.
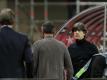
(46, 13)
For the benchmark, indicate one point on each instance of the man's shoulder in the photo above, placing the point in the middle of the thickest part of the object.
(91, 45)
(46, 41)
(38, 42)
(60, 42)
(21, 34)
(88, 43)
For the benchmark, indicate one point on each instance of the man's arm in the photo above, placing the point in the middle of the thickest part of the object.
(28, 59)
(68, 65)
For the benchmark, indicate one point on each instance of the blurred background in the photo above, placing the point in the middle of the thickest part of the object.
(30, 14)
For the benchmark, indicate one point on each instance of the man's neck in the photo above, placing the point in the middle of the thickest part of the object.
(48, 35)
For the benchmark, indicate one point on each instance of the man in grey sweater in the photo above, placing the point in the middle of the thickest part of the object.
(51, 57)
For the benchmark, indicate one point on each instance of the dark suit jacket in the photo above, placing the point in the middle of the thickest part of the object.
(15, 52)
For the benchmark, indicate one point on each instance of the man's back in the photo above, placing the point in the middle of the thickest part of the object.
(51, 57)
(12, 55)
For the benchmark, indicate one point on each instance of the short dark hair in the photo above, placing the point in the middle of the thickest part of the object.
(79, 26)
(48, 27)
(7, 16)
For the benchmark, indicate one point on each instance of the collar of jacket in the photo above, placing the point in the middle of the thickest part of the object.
(2, 26)
(79, 42)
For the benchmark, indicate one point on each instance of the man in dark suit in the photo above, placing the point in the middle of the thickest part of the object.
(15, 51)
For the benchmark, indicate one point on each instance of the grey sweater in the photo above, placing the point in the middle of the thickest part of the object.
(51, 58)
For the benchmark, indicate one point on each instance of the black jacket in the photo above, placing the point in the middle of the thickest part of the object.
(15, 52)
(81, 51)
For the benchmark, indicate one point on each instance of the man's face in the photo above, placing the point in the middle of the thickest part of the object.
(79, 34)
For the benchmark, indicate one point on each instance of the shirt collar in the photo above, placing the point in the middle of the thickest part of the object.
(10, 26)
